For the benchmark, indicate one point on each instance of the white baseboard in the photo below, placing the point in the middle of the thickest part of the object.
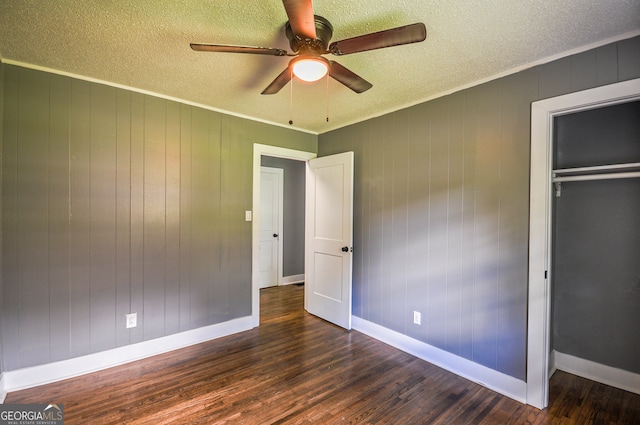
(497, 381)
(51, 372)
(608, 375)
(290, 280)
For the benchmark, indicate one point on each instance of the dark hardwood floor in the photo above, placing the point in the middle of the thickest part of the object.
(297, 369)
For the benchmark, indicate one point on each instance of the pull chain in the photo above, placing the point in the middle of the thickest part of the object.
(327, 78)
(291, 100)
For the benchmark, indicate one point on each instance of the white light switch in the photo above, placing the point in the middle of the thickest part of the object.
(247, 216)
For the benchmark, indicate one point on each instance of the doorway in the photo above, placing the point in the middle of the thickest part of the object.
(291, 229)
(260, 151)
(596, 245)
(543, 114)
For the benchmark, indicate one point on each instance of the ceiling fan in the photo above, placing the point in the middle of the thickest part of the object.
(309, 37)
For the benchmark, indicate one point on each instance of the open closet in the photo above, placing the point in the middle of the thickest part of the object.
(595, 304)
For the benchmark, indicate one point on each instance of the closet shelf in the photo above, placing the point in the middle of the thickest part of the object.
(598, 172)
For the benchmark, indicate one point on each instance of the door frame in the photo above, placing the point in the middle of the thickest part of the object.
(258, 151)
(540, 222)
(280, 241)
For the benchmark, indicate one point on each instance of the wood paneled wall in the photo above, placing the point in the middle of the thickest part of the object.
(442, 205)
(116, 202)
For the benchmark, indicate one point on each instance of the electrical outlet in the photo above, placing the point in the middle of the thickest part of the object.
(417, 317)
(131, 320)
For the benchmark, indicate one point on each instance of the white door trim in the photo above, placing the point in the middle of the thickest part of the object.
(258, 151)
(542, 115)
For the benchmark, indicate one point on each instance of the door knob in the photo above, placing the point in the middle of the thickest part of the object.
(345, 249)
(275, 235)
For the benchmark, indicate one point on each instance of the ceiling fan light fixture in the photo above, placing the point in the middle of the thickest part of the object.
(310, 68)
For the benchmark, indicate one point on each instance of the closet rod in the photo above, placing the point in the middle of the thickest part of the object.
(608, 176)
(597, 168)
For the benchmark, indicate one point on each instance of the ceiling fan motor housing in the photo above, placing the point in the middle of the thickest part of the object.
(324, 32)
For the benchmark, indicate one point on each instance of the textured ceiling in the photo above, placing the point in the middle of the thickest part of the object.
(144, 44)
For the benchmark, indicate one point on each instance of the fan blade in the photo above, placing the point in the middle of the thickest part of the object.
(238, 49)
(407, 34)
(280, 81)
(348, 78)
(301, 19)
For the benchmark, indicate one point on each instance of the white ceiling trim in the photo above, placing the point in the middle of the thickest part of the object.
(543, 61)
(515, 70)
(147, 92)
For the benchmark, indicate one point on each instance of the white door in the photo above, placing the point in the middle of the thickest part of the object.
(271, 183)
(329, 223)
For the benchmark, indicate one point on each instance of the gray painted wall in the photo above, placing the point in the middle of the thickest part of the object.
(116, 202)
(293, 214)
(596, 279)
(442, 203)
